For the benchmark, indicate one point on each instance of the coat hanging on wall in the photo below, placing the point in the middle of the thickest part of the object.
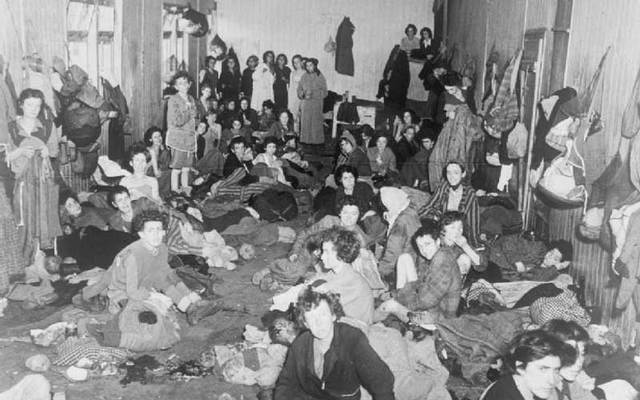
(344, 47)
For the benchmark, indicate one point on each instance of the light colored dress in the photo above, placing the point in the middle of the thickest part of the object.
(294, 101)
(262, 86)
(312, 90)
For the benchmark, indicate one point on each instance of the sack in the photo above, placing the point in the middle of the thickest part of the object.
(330, 46)
(86, 160)
(273, 205)
(517, 141)
(562, 184)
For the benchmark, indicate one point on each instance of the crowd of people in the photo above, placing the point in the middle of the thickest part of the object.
(399, 233)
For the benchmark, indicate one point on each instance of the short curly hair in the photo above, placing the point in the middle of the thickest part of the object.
(310, 299)
(341, 170)
(149, 216)
(536, 345)
(429, 227)
(345, 242)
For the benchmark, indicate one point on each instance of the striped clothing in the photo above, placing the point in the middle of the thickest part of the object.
(468, 206)
(231, 186)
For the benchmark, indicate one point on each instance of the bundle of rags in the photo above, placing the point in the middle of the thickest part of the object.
(476, 340)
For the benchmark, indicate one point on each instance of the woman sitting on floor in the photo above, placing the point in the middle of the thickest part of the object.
(270, 159)
(331, 359)
(382, 161)
(160, 160)
(283, 126)
(433, 288)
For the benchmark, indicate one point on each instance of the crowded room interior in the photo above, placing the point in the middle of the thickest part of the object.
(320, 200)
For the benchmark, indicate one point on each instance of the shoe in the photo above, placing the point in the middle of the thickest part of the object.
(201, 309)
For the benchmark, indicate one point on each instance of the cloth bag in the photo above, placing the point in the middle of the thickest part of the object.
(563, 182)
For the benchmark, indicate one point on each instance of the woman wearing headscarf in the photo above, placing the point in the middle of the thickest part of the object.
(312, 91)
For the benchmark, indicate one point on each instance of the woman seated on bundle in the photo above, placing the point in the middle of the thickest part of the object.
(270, 159)
(236, 130)
(331, 359)
(249, 115)
(229, 114)
(382, 161)
(282, 126)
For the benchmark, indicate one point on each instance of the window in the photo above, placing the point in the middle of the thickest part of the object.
(93, 41)
(175, 42)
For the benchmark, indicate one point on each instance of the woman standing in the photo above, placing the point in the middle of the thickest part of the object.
(229, 83)
(311, 91)
(294, 82)
(281, 83)
(263, 78)
(35, 199)
(410, 42)
(246, 86)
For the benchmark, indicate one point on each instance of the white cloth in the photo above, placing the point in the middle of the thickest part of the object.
(262, 86)
(406, 271)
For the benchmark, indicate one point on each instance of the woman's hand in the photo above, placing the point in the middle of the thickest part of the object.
(44, 153)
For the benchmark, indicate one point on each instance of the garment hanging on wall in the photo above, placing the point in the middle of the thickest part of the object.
(115, 97)
(344, 47)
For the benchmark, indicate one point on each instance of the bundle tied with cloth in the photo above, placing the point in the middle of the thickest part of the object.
(563, 183)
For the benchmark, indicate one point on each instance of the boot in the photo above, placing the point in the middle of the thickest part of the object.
(202, 309)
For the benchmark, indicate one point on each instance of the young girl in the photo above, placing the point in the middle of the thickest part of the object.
(139, 184)
(181, 131)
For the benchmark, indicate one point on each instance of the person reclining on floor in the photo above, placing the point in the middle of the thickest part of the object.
(80, 216)
(142, 268)
(331, 359)
(556, 260)
(455, 195)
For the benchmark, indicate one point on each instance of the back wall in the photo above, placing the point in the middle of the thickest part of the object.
(304, 26)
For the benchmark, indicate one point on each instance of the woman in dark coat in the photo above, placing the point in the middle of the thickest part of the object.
(331, 359)
(246, 86)
(281, 83)
(229, 83)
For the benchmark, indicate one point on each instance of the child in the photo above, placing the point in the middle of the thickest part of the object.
(139, 183)
(181, 131)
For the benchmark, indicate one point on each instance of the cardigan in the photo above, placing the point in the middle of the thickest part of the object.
(349, 363)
